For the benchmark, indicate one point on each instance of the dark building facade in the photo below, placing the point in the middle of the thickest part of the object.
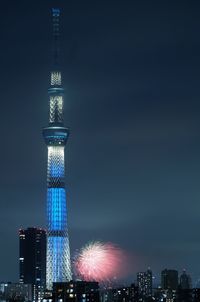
(122, 294)
(32, 257)
(184, 295)
(169, 279)
(17, 292)
(76, 291)
(185, 281)
(196, 294)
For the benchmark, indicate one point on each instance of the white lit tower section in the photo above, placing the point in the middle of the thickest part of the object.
(55, 136)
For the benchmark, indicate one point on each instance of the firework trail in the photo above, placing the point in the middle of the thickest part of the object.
(100, 262)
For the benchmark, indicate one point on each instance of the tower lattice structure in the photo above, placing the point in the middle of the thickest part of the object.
(55, 135)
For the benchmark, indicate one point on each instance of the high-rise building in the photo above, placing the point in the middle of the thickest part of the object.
(55, 136)
(32, 256)
(32, 260)
(144, 281)
(185, 281)
(169, 279)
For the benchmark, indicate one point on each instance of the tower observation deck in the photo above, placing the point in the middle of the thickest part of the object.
(55, 135)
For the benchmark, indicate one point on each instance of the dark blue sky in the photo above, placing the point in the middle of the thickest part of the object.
(131, 71)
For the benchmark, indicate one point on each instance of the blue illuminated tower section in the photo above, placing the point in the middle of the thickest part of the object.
(56, 135)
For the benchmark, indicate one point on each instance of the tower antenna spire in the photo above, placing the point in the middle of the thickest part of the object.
(56, 36)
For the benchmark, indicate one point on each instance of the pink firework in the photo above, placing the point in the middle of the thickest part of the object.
(100, 262)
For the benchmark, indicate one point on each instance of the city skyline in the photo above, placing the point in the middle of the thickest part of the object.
(131, 76)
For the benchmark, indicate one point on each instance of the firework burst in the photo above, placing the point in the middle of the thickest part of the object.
(100, 262)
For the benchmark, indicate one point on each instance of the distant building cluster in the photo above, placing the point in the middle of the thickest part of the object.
(172, 289)
(32, 271)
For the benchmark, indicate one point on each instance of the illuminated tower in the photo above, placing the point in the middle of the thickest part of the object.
(55, 136)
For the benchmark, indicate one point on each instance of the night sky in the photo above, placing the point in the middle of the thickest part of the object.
(131, 71)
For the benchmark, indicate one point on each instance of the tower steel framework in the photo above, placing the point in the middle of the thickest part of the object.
(55, 136)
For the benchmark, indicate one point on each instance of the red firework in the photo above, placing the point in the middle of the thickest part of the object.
(100, 262)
